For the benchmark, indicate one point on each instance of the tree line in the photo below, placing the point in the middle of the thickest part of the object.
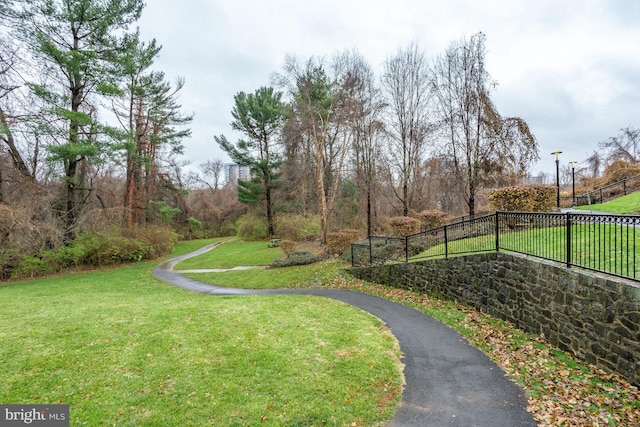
(425, 134)
(85, 121)
(91, 135)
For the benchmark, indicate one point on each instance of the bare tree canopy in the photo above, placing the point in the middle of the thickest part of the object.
(624, 146)
(320, 127)
(406, 84)
(482, 144)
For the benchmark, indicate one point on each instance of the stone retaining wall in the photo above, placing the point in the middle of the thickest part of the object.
(592, 316)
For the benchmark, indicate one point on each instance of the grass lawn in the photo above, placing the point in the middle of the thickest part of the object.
(236, 253)
(596, 246)
(124, 349)
(303, 276)
(561, 389)
(193, 245)
(628, 204)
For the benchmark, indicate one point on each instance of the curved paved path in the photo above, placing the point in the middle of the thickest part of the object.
(448, 382)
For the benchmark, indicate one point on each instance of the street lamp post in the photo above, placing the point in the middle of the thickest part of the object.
(556, 153)
(573, 180)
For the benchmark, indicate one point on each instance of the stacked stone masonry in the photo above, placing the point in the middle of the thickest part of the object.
(592, 316)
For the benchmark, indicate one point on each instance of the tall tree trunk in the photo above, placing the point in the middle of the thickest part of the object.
(264, 144)
(71, 172)
(71, 215)
(134, 212)
(405, 197)
(270, 230)
(134, 191)
(322, 201)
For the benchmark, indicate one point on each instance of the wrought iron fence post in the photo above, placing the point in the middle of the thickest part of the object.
(568, 225)
(352, 259)
(497, 234)
(406, 249)
(446, 243)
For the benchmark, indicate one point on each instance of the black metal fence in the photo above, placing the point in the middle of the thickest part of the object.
(600, 195)
(604, 243)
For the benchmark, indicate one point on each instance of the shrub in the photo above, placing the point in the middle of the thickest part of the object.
(91, 249)
(9, 261)
(31, 267)
(432, 219)
(21, 229)
(379, 251)
(296, 258)
(340, 241)
(545, 199)
(523, 198)
(401, 226)
(519, 198)
(287, 246)
(618, 171)
(190, 229)
(297, 227)
(49, 262)
(7, 220)
(64, 257)
(251, 227)
(108, 249)
(159, 240)
(102, 220)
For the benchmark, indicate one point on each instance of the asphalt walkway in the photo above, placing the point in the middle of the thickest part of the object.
(447, 381)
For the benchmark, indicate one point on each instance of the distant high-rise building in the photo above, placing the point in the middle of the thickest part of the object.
(233, 172)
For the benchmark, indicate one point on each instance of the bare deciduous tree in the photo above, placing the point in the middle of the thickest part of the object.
(368, 136)
(212, 169)
(480, 142)
(320, 112)
(594, 164)
(624, 146)
(9, 121)
(406, 84)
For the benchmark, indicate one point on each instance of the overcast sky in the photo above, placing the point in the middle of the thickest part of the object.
(570, 68)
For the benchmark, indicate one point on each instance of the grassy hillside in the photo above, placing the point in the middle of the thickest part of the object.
(124, 349)
(628, 204)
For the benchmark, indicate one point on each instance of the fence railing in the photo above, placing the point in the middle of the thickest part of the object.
(604, 243)
(602, 194)
(460, 219)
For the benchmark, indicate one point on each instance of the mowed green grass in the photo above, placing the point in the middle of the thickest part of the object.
(604, 399)
(124, 349)
(236, 253)
(303, 276)
(598, 246)
(628, 204)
